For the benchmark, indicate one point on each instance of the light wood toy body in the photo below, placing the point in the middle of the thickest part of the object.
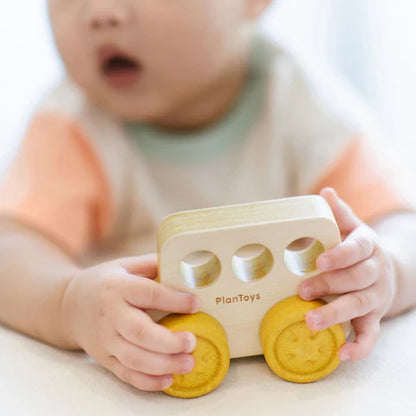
(240, 260)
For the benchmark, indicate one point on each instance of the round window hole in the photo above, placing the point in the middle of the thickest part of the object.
(252, 262)
(200, 268)
(300, 255)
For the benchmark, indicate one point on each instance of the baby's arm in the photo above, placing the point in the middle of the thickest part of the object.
(398, 234)
(34, 274)
(43, 293)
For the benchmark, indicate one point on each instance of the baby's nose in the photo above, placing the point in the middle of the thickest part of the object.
(106, 14)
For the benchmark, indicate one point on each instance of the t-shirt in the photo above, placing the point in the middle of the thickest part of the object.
(99, 187)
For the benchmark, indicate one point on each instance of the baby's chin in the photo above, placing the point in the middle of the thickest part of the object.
(147, 105)
(133, 109)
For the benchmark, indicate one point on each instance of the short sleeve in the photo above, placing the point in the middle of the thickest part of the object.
(369, 178)
(55, 185)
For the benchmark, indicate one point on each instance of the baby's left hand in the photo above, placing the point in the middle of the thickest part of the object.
(360, 270)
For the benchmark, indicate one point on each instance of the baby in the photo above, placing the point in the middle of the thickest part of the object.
(175, 105)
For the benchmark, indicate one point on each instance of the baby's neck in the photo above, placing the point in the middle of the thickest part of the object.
(210, 104)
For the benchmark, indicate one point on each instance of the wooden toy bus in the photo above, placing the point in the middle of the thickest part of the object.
(245, 262)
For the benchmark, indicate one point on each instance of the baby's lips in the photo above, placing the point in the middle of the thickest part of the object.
(109, 51)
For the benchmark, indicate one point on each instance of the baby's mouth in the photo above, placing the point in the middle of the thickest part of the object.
(119, 69)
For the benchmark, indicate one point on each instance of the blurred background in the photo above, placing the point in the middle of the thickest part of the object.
(371, 42)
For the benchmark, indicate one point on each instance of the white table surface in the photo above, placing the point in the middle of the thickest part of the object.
(37, 379)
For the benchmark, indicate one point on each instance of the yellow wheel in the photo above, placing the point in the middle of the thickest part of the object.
(212, 357)
(292, 350)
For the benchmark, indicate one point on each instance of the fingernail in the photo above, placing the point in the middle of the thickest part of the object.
(324, 263)
(196, 304)
(167, 382)
(307, 292)
(343, 356)
(190, 343)
(188, 365)
(316, 319)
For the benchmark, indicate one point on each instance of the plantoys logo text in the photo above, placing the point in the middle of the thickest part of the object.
(221, 300)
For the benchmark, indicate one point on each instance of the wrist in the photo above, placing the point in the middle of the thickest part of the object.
(393, 308)
(68, 314)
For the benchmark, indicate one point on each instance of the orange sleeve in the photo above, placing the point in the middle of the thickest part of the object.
(56, 186)
(369, 181)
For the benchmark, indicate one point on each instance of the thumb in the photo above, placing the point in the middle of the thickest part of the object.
(145, 265)
(346, 219)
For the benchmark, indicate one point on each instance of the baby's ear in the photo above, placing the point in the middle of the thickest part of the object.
(255, 8)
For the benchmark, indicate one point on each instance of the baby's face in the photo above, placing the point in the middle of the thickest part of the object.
(141, 59)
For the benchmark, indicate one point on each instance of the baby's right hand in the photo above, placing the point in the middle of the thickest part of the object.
(103, 313)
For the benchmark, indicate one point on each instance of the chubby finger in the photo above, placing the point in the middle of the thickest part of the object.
(344, 216)
(138, 328)
(137, 379)
(358, 277)
(148, 294)
(357, 246)
(144, 265)
(150, 362)
(342, 309)
(367, 329)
